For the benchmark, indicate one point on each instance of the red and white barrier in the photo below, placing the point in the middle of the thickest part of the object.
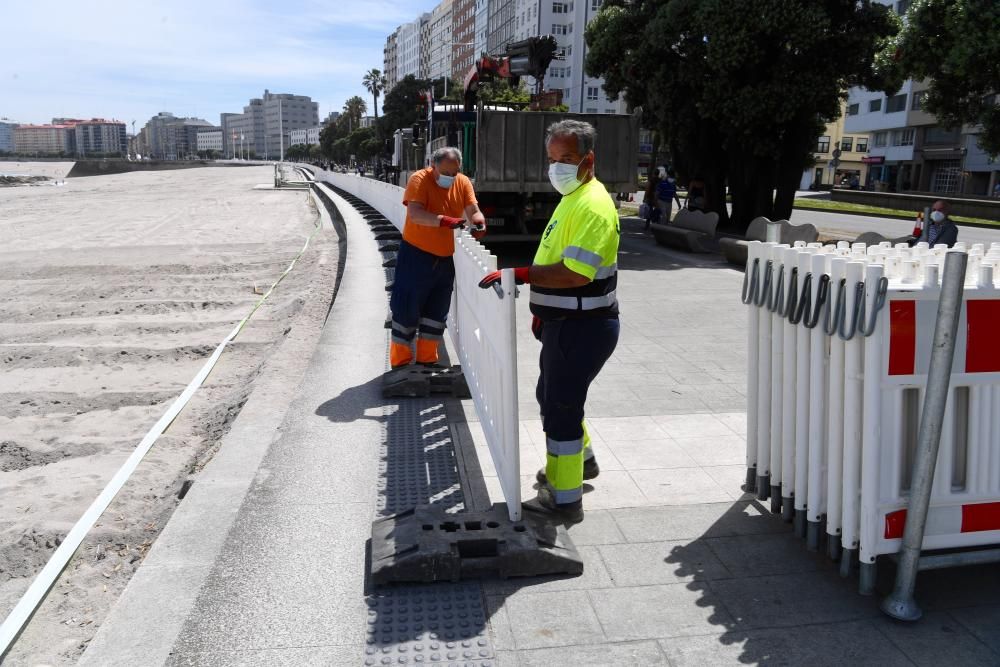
(840, 341)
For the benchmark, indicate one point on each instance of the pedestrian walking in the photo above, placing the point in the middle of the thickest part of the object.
(940, 230)
(573, 280)
(436, 199)
(666, 193)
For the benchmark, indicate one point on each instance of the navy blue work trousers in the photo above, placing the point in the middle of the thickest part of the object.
(573, 353)
(421, 294)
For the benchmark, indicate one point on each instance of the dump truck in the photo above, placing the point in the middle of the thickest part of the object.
(504, 155)
(503, 147)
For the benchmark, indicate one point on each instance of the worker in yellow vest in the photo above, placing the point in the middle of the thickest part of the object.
(573, 278)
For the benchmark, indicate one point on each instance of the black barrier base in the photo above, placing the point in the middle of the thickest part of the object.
(427, 544)
(416, 381)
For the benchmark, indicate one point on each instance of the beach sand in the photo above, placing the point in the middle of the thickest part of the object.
(114, 290)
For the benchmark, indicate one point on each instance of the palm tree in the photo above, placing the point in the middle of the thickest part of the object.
(374, 82)
(354, 108)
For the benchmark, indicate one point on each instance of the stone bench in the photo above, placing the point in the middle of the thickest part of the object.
(734, 249)
(693, 231)
(874, 238)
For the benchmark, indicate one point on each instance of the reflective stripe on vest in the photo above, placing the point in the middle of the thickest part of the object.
(582, 255)
(574, 302)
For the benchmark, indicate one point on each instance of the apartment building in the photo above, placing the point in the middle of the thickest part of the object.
(482, 19)
(567, 21)
(55, 139)
(441, 40)
(264, 126)
(210, 140)
(7, 135)
(840, 157)
(463, 33)
(499, 25)
(390, 59)
(910, 150)
(100, 137)
(169, 137)
(308, 137)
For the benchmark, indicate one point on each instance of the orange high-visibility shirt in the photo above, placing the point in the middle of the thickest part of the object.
(424, 190)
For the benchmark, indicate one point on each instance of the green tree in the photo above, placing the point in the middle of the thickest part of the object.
(741, 89)
(955, 44)
(401, 104)
(500, 91)
(315, 152)
(354, 109)
(374, 83)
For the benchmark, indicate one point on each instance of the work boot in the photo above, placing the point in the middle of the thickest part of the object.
(590, 471)
(545, 502)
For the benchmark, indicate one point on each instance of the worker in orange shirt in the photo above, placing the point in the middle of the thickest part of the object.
(436, 200)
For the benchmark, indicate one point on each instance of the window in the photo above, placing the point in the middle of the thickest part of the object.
(895, 103)
(862, 145)
(560, 8)
(847, 144)
(592, 93)
(880, 139)
(591, 110)
(852, 110)
(595, 5)
(902, 6)
(875, 105)
(940, 135)
(558, 29)
(918, 100)
(903, 137)
(823, 145)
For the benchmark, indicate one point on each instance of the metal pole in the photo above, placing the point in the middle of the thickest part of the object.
(901, 604)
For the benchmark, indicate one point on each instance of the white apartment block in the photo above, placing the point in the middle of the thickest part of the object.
(439, 64)
(210, 140)
(482, 22)
(408, 47)
(566, 20)
(309, 136)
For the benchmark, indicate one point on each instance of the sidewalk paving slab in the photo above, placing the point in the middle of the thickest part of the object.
(681, 567)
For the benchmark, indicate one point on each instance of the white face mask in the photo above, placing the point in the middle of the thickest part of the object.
(445, 181)
(563, 177)
(937, 216)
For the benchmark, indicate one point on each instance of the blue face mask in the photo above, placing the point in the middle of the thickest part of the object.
(445, 181)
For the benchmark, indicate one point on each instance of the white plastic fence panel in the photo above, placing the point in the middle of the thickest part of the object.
(386, 198)
(483, 329)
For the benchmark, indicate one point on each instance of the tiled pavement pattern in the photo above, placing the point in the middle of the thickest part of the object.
(680, 567)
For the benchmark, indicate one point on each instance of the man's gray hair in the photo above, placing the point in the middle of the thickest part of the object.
(585, 134)
(446, 153)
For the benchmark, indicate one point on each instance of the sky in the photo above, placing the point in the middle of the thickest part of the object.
(131, 60)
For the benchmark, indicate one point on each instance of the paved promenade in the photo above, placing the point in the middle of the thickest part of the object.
(680, 567)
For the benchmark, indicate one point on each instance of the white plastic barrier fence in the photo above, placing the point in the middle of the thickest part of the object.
(839, 345)
(386, 198)
(483, 329)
